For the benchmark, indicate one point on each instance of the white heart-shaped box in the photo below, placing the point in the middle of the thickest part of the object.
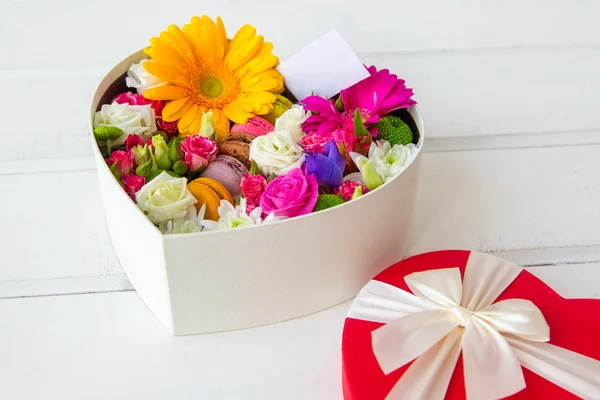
(240, 278)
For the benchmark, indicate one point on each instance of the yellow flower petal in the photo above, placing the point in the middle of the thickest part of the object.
(194, 126)
(165, 92)
(179, 113)
(257, 65)
(165, 54)
(188, 118)
(265, 49)
(243, 53)
(166, 73)
(264, 85)
(172, 107)
(221, 125)
(235, 114)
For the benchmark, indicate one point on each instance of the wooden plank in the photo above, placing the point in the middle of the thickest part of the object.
(504, 200)
(106, 346)
(54, 227)
(502, 92)
(110, 346)
(536, 205)
(57, 43)
(475, 95)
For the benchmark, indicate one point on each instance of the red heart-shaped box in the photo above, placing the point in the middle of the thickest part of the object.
(574, 325)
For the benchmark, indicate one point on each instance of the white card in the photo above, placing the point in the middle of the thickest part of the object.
(324, 67)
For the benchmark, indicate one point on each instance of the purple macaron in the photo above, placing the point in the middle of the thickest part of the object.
(227, 170)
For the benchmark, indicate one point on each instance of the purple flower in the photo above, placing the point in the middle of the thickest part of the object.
(327, 167)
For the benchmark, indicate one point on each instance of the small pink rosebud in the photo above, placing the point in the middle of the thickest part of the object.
(170, 128)
(132, 141)
(253, 187)
(132, 184)
(348, 188)
(198, 152)
(124, 160)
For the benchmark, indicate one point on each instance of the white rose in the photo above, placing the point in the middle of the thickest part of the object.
(133, 120)
(292, 121)
(276, 152)
(165, 198)
(140, 79)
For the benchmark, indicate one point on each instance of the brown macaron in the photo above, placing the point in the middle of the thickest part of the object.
(237, 145)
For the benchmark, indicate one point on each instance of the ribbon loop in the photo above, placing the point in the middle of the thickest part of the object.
(409, 337)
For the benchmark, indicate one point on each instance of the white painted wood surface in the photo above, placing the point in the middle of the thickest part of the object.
(509, 94)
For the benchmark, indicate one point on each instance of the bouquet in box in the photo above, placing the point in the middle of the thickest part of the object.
(208, 137)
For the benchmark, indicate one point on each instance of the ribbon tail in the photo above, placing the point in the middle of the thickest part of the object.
(571, 371)
(429, 375)
(492, 370)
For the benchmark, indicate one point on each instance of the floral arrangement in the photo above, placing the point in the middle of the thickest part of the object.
(206, 137)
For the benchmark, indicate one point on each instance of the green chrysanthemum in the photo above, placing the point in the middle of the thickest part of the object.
(394, 130)
(107, 132)
(325, 201)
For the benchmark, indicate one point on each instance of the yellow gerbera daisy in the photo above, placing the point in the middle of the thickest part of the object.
(203, 71)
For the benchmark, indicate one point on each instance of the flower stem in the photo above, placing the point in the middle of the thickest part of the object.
(108, 149)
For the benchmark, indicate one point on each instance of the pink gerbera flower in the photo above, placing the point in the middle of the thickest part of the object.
(374, 97)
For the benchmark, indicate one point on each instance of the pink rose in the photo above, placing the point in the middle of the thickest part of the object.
(124, 160)
(198, 152)
(139, 100)
(314, 142)
(132, 184)
(346, 191)
(253, 187)
(170, 128)
(290, 195)
(132, 141)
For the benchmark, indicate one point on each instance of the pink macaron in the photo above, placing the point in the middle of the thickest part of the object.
(255, 126)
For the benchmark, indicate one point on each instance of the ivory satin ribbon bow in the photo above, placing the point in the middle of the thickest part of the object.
(445, 316)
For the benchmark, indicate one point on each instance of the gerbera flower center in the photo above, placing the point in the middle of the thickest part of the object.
(211, 86)
(215, 87)
(364, 114)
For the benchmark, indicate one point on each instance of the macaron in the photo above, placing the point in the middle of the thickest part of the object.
(256, 126)
(280, 106)
(237, 145)
(210, 193)
(228, 171)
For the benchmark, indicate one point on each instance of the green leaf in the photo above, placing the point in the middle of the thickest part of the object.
(116, 171)
(144, 170)
(359, 126)
(107, 132)
(254, 170)
(179, 167)
(175, 152)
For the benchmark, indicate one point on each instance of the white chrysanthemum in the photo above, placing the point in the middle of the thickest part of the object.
(189, 224)
(388, 161)
(236, 217)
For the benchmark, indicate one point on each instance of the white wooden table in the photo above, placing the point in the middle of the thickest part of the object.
(512, 166)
